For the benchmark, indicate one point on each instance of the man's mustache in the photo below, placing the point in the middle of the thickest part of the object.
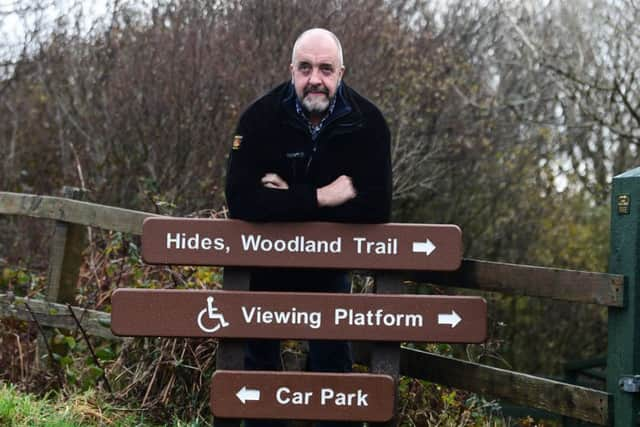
(316, 88)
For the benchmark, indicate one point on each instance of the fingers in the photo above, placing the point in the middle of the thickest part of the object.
(346, 183)
(272, 180)
(344, 187)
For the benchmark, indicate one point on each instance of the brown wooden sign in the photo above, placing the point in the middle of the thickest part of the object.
(239, 314)
(302, 396)
(317, 245)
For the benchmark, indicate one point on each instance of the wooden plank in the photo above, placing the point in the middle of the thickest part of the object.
(319, 396)
(512, 279)
(231, 242)
(73, 211)
(307, 315)
(522, 389)
(95, 323)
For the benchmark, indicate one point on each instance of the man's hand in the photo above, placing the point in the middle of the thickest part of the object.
(272, 180)
(338, 192)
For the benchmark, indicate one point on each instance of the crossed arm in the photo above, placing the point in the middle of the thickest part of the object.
(257, 192)
(340, 191)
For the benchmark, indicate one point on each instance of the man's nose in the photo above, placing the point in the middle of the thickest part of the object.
(314, 78)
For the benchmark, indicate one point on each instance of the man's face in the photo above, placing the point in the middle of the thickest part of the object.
(316, 72)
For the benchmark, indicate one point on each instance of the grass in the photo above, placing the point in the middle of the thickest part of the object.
(19, 409)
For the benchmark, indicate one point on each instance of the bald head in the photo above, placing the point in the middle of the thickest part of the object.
(318, 36)
(316, 71)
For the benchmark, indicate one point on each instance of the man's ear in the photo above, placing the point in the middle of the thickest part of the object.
(291, 71)
(342, 71)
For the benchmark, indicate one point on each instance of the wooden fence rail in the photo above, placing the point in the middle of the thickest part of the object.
(561, 398)
(54, 315)
(73, 211)
(510, 279)
(561, 284)
(524, 280)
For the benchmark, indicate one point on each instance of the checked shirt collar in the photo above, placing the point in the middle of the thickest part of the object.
(315, 129)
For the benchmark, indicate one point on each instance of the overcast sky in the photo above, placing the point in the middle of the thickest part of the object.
(18, 15)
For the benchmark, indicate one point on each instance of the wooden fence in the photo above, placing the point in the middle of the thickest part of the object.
(590, 405)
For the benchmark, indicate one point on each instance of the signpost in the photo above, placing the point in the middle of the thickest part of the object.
(302, 396)
(237, 314)
(324, 245)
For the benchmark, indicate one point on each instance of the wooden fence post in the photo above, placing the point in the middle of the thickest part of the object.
(385, 356)
(624, 323)
(65, 255)
(230, 353)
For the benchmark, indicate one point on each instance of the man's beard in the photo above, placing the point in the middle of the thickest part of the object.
(316, 104)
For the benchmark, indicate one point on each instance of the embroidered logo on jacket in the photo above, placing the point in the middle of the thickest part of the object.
(237, 140)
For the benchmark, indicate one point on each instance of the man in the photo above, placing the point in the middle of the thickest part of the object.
(311, 149)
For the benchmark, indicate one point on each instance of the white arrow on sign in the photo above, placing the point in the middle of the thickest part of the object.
(424, 247)
(245, 394)
(449, 319)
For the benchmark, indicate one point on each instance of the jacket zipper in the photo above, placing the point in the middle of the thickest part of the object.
(323, 131)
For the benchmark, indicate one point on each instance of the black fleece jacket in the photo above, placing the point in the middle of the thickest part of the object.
(271, 137)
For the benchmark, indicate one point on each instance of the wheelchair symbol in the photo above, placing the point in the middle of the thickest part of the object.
(212, 314)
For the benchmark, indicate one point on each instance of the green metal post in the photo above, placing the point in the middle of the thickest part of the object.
(624, 323)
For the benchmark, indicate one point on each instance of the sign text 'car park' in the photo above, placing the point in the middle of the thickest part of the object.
(303, 396)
